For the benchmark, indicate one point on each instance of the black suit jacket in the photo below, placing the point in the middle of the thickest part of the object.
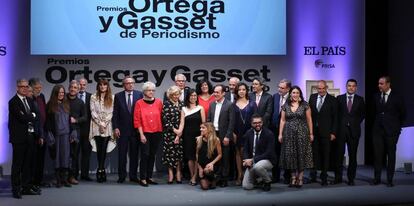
(19, 121)
(122, 118)
(264, 148)
(265, 107)
(392, 115)
(85, 126)
(351, 119)
(326, 120)
(228, 97)
(226, 119)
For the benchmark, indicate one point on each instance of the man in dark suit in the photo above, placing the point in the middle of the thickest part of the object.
(221, 114)
(325, 121)
(232, 86)
(351, 113)
(264, 100)
(180, 81)
(122, 122)
(258, 154)
(278, 100)
(78, 116)
(22, 137)
(85, 145)
(390, 114)
(40, 146)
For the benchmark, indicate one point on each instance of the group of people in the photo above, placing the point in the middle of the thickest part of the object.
(210, 132)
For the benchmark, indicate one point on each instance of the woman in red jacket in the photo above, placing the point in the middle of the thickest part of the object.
(147, 119)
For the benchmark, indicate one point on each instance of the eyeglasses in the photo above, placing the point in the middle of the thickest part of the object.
(23, 86)
(150, 90)
(257, 122)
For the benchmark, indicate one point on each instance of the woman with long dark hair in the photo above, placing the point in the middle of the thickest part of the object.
(244, 109)
(193, 115)
(204, 90)
(59, 133)
(101, 128)
(296, 135)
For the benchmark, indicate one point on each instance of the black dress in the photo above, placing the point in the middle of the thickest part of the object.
(243, 121)
(296, 151)
(173, 153)
(203, 160)
(191, 131)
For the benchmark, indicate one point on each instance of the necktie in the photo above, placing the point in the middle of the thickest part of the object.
(319, 106)
(383, 98)
(26, 106)
(281, 103)
(129, 104)
(256, 140)
(349, 105)
(81, 96)
(257, 100)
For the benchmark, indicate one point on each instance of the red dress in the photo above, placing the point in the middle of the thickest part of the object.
(206, 103)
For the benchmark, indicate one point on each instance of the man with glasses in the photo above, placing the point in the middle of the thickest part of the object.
(259, 156)
(180, 81)
(122, 122)
(22, 117)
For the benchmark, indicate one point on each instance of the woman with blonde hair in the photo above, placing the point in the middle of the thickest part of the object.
(208, 156)
(101, 128)
(172, 146)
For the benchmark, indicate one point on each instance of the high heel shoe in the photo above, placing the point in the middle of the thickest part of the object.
(99, 177)
(299, 183)
(292, 182)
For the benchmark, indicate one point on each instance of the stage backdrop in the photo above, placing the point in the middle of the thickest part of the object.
(297, 39)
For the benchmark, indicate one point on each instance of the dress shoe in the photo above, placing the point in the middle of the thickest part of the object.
(376, 182)
(152, 182)
(324, 183)
(266, 187)
(86, 178)
(224, 184)
(390, 184)
(17, 194)
(136, 180)
(73, 181)
(351, 183)
(121, 180)
(337, 181)
(29, 191)
(45, 184)
(142, 183)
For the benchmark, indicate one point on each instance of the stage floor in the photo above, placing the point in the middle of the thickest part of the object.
(112, 193)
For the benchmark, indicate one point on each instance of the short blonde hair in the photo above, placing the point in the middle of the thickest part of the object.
(173, 90)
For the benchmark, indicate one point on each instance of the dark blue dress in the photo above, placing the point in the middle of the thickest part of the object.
(243, 121)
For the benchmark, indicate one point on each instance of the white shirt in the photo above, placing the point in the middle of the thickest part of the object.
(283, 101)
(387, 95)
(254, 141)
(127, 96)
(217, 114)
(21, 99)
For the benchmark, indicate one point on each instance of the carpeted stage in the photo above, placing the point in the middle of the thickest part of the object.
(112, 193)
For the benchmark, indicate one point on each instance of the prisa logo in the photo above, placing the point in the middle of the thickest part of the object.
(321, 65)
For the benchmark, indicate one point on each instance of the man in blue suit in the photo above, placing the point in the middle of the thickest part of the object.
(278, 100)
(122, 122)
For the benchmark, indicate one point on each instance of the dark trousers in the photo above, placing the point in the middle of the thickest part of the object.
(346, 138)
(130, 146)
(148, 151)
(225, 161)
(21, 166)
(384, 145)
(86, 149)
(38, 163)
(101, 145)
(321, 150)
(74, 155)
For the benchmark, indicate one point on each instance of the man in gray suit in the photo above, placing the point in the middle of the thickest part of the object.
(221, 114)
